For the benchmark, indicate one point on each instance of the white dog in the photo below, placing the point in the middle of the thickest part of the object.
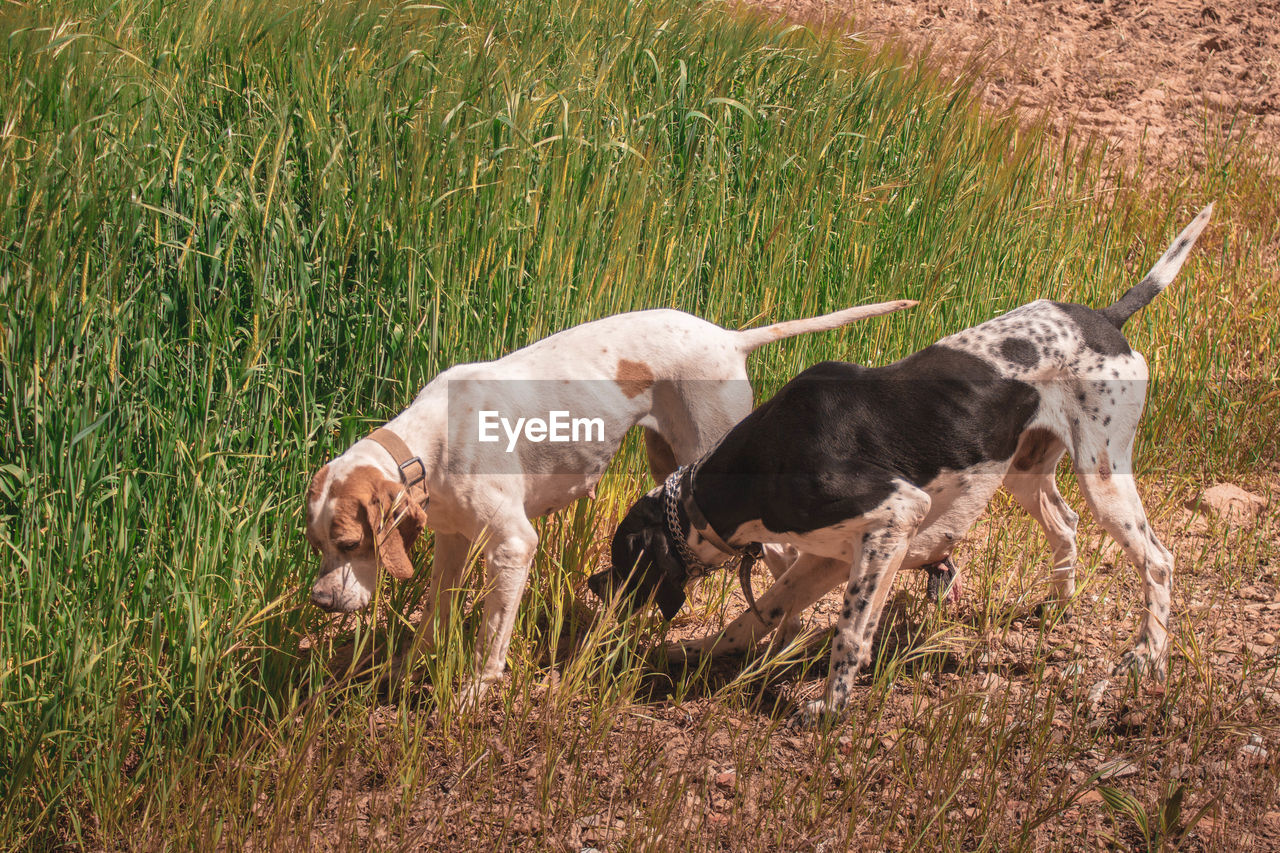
(497, 443)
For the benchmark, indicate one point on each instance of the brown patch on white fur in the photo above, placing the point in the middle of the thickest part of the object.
(365, 503)
(316, 489)
(634, 377)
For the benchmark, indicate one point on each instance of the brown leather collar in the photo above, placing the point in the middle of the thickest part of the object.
(405, 460)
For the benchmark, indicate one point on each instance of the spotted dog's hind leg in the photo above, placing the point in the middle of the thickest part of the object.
(1103, 464)
(1114, 499)
(780, 559)
(881, 545)
(808, 579)
(1031, 482)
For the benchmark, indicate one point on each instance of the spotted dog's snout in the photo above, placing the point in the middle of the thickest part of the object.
(601, 584)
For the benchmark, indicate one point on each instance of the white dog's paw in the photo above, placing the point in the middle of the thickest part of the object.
(470, 697)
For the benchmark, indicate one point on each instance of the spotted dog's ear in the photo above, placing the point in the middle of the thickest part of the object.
(644, 568)
(670, 572)
(397, 521)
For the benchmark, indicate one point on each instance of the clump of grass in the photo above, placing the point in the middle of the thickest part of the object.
(236, 235)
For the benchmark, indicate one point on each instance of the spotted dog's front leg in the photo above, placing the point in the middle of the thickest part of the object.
(882, 544)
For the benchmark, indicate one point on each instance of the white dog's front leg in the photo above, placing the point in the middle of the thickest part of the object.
(779, 559)
(446, 571)
(508, 557)
(448, 562)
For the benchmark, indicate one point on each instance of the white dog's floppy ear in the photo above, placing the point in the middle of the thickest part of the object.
(397, 521)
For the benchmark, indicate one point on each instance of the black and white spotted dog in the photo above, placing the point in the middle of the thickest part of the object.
(868, 470)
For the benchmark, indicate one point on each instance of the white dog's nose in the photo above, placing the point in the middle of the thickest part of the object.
(322, 599)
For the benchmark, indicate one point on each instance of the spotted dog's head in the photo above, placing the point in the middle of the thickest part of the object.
(645, 563)
(357, 520)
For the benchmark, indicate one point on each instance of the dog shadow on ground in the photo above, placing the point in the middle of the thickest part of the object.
(759, 680)
(771, 686)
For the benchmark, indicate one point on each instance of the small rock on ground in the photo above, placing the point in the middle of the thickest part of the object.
(1228, 503)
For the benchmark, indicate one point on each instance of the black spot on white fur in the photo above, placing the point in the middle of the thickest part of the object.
(1020, 351)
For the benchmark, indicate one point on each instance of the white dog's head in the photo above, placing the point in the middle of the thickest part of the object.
(358, 519)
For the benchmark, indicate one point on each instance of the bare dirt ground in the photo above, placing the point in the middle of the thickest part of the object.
(1156, 80)
(998, 728)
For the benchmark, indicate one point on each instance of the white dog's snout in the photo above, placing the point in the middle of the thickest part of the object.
(339, 590)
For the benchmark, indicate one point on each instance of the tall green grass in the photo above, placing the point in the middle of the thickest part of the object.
(236, 235)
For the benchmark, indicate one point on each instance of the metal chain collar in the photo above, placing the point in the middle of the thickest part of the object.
(671, 501)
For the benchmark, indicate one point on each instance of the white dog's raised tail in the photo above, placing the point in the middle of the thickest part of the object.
(752, 339)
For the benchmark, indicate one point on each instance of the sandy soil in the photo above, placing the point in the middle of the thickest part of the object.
(544, 785)
(1158, 80)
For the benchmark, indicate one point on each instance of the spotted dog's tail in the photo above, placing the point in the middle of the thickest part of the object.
(750, 339)
(1161, 274)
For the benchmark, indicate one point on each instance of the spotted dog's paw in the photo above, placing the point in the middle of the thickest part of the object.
(812, 715)
(1137, 664)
